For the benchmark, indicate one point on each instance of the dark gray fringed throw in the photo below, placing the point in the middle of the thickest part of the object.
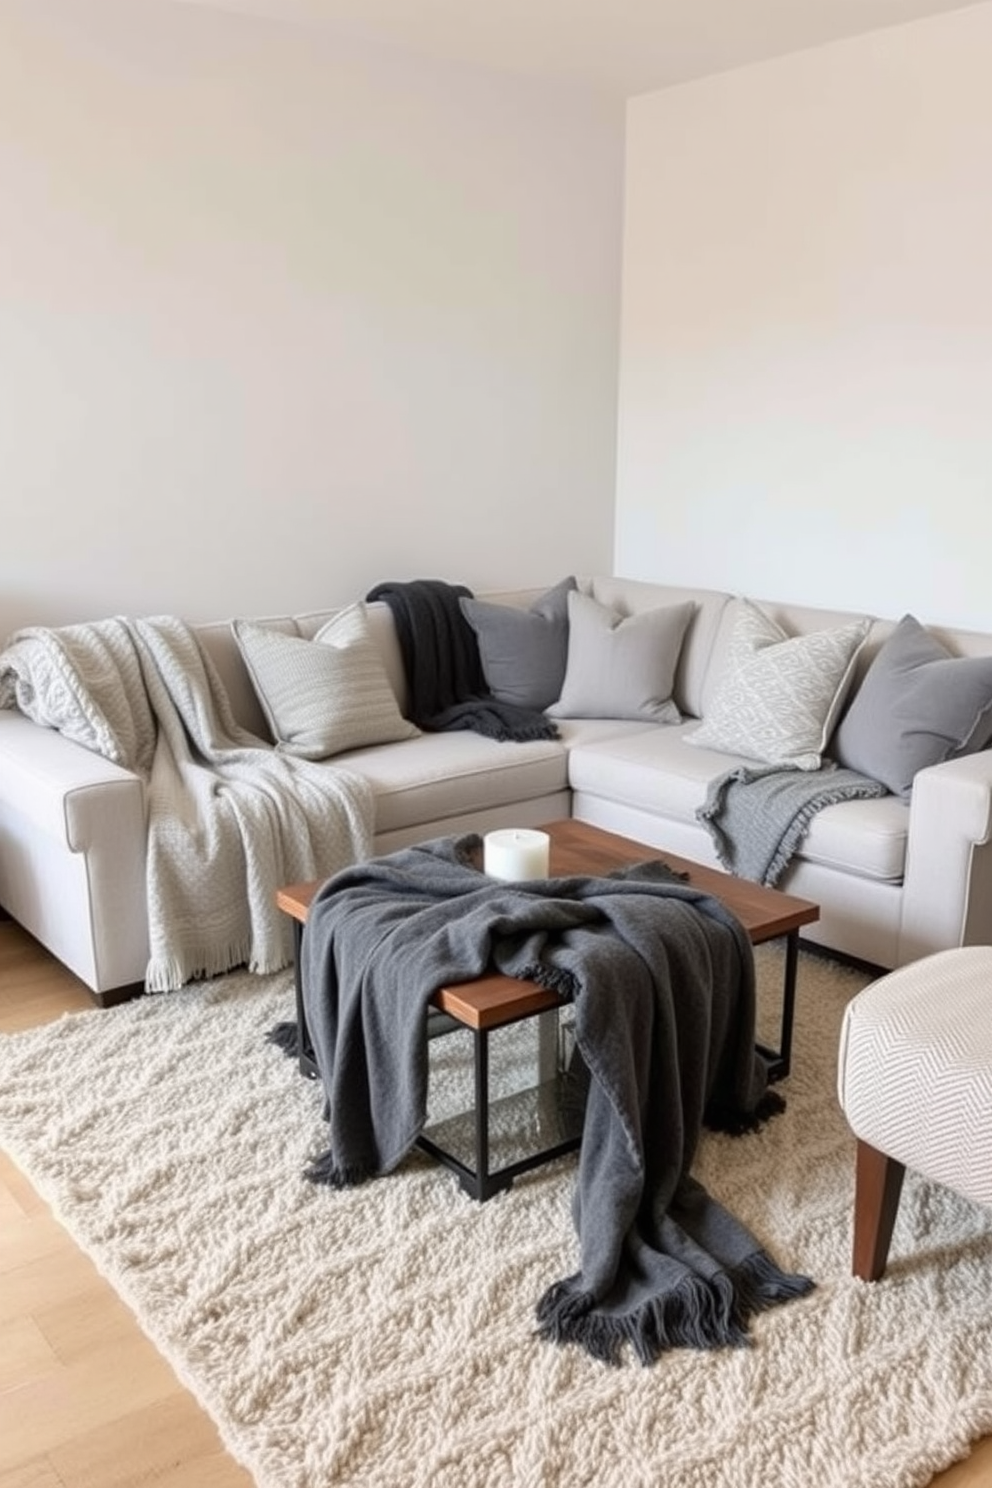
(662, 980)
(443, 666)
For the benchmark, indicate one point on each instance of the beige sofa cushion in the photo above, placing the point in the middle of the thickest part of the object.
(453, 774)
(660, 771)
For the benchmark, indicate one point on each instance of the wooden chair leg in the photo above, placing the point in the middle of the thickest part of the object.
(878, 1184)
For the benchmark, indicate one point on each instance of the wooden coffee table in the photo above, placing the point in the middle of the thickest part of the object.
(494, 1001)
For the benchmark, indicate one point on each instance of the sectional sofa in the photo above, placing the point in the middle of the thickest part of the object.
(897, 874)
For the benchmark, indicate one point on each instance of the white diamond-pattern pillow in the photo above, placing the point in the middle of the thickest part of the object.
(327, 695)
(780, 695)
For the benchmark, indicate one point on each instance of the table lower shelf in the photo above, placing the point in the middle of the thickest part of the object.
(525, 1129)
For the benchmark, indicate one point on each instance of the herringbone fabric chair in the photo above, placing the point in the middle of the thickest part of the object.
(915, 1083)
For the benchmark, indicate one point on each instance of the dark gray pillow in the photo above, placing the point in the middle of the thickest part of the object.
(523, 652)
(918, 705)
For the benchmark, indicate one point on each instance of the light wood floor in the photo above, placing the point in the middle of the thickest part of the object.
(85, 1399)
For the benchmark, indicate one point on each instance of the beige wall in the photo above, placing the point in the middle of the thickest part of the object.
(282, 317)
(806, 364)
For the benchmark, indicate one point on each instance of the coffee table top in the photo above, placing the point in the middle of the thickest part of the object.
(578, 848)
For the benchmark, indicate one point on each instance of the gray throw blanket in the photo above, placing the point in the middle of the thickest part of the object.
(662, 980)
(229, 818)
(758, 815)
(443, 667)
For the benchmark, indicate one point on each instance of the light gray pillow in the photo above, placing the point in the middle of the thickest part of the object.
(323, 696)
(918, 705)
(621, 666)
(523, 652)
(779, 695)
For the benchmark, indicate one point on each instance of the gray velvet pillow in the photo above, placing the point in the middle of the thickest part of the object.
(918, 705)
(621, 666)
(523, 652)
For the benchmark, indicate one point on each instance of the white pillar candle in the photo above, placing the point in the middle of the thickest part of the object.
(516, 853)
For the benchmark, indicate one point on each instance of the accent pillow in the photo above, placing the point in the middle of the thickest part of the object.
(779, 695)
(323, 696)
(621, 666)
(523, 652)
(918, 705)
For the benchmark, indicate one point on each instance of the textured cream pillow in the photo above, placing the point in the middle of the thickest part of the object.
(323, 696)
(621, 666)
(780, 695)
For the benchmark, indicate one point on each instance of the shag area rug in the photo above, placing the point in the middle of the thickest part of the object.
(383, 1336)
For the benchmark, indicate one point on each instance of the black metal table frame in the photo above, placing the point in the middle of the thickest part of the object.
(478, 1182)
(780, 1059)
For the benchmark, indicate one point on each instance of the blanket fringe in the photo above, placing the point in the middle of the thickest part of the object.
(552, 978)
(284, 1036)
(792, 839)
(701, 1313)
(167, 973)
(325, 1170)
(734, 1122)
(760, 1284)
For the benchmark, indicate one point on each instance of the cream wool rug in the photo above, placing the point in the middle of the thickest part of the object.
(382, 1337)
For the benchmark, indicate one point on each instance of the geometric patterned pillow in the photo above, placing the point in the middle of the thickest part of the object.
(327, 695)
(780, 695)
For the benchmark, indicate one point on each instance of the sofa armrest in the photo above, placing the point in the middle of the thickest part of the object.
(947, 893)
(48, 778)
(72, 852)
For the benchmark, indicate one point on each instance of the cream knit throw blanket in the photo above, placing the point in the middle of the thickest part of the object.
(229, 817)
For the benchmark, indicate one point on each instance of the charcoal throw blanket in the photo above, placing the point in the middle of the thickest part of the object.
(443, 667)
(757, 815)
(662, 979)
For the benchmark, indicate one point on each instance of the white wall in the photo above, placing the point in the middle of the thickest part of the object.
(282, 317)
(806, 362)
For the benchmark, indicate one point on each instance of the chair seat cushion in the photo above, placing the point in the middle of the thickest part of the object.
(915, 1068)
